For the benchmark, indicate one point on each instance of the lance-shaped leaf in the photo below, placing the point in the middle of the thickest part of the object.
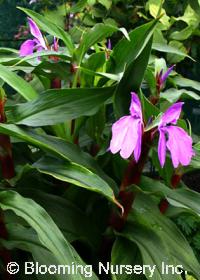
(172, 95)
(181, 197)
(19, 84)
(60, 54)
(26, 239)
(159, 239)
(50, 27)
(126, 252)
(75, 174)
(131, 80)
(99, 32)
(126, 51)
(57, 147)
(48, 233)
(169, 49)
(57, 106)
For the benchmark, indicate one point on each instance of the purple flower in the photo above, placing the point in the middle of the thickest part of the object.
(35, 44)
(109, 45)
(127, 131)
(161, 78)
(174, 138)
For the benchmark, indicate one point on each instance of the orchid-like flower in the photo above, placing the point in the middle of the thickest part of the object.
(127, 131)
(174, 138)
(161, 78)
(38, 43)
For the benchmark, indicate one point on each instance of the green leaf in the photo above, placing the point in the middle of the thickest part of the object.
(50, 27)
(149, 110)
(78, 7)
(195, 162)
(8, 50)
(19, 84)
(57, 147)
(96, 34)
(181, 197)
(126, 252)
(75, 174)
(154, 123)
(25, 239)
(125, 52)
(169, 49)
(167, 170)
(57, 106)
(60, 54)
(48, 233)
(74, 223)
(195, 6)
(94, 63)
(175, 58)
(114, 77)
(158, 239)
(172, 95)
(184, 82)
(106, 3)
(155, 8)
(131, 80)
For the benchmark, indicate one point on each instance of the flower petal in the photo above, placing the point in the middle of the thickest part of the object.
(125, 136)
(27, 47)
(35, 31)
(135, 107)
(180, 146)
(162, 147)
(137, 150)
(166, 74)
(131, 138)
(119, 129)
(109, 45)
(172, 114)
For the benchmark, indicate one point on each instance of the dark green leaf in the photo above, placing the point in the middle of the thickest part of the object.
(19, 84)
(131, 80)
(125, 52)
(57, 106)
(181, 197)
(57, 147)
(159, 239)
(125, 252)
(98, 33)
(48, 233)
(75, 174)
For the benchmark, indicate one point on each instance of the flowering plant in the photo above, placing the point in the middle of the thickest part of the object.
(94, 148)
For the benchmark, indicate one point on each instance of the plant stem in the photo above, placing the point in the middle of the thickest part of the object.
(132, 177)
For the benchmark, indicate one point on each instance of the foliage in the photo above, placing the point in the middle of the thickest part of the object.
(65, 198)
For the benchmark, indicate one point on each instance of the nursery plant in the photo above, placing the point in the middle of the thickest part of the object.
(94, 145)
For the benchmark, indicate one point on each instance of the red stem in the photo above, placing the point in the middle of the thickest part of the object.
(56, 83)
(132, 176)
(8, 172)
(175, 180)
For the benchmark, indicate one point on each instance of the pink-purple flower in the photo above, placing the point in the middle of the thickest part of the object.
(161, 78)
(109, 44)
(38, 43)
(174, 138)
(127, 131)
